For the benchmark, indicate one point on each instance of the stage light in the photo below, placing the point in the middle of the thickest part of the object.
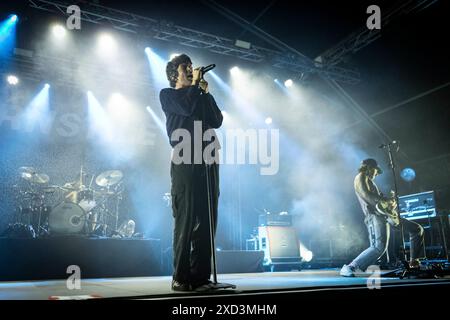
(8, 35)
(234, 70)
(106, 45)
(305, 253)
(12, 80)
(117, 97)
(173, 55)
(148, 50)
(268, 120)
(408, 174)
(116, 104)
(288, 83)
(46, 86)
(307, 256)
(59, 31)
(282, 87)
(8, 24)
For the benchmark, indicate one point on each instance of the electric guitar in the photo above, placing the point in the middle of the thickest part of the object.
(389, 210)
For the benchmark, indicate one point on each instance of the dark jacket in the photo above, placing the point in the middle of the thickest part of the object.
(184, 106)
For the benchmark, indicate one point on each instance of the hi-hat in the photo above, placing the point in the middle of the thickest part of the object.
(39, 178)
(109, 178)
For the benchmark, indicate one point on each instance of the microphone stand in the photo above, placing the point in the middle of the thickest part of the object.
(212, 223)
(405, 271)
(394, 175)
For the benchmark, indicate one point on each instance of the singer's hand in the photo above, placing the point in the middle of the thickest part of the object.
(196, 76)
(204, 85)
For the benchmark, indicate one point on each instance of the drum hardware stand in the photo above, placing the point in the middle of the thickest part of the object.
(101, 222)
(41, 206)
(118, 200)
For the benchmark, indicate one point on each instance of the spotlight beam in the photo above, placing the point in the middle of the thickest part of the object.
(158, 121)
(99, 120)
(157, 67)
(8, 35)
(38, 111)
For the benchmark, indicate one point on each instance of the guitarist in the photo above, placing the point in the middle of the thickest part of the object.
(377, 224)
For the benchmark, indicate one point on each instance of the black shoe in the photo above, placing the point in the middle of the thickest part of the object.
(204, 286)
(179, 286)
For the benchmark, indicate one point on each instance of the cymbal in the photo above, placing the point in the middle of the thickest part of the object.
(29, 170)
(39, 178)
(50, 189)
(109, 178)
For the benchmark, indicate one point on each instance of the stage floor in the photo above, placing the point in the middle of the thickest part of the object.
(159, 287)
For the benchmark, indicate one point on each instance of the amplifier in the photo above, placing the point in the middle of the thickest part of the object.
(280, 245)
(281, 220)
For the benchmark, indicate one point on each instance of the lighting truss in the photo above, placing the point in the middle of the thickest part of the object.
(167, 31)
(61, 70)
(363, 37)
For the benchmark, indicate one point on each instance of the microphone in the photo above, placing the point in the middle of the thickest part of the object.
(207, 68)
(389, 144)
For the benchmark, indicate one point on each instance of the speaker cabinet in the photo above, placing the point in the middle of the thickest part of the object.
(280, 245)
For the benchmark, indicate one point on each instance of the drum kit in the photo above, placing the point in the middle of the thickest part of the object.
(74, 208)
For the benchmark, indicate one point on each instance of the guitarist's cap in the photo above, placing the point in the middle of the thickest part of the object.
(371, 163)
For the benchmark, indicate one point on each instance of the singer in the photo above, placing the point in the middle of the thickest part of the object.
(188, 100)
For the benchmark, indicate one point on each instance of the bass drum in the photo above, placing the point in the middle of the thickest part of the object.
(67, 218)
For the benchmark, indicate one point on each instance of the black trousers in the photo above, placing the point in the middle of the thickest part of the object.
(191, 235)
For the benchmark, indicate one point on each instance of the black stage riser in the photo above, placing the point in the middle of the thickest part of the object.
(228, 261)
(42, 259)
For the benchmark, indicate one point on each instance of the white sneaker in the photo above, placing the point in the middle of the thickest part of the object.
(347, 271)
